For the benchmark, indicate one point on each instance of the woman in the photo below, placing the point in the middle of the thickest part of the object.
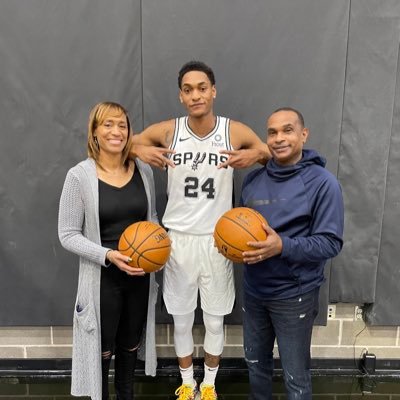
(101, 197)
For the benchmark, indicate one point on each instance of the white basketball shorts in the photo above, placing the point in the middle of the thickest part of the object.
(195, 265)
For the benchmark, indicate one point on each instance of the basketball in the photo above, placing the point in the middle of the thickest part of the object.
(147, 244)
(237, 227)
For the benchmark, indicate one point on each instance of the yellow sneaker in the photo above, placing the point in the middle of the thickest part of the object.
(207, 392)
(186, 392)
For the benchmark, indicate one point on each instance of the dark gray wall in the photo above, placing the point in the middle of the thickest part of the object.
(58, 59)
(368, 163)
(337, 61)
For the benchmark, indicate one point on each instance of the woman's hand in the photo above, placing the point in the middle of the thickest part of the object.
(115, 257)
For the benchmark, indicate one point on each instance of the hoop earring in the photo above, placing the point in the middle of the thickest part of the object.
(96, 142)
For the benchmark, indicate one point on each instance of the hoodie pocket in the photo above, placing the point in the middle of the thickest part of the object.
(280, 269)
(271, 276)
(85, 317)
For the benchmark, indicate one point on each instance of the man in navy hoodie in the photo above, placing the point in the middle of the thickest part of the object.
(303, 205)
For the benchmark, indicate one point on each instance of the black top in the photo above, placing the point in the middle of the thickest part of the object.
(120, 207)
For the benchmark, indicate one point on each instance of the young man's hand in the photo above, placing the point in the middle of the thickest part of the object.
(244, 158)
(155, 156)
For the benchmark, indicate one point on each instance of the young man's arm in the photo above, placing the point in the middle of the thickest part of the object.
(152, 145)
(248, 147)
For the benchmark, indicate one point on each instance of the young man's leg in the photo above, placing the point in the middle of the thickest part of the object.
(180, 291)
(293, 323)
(183, 339)
(217, 293)
(259, 338)
(213, 346)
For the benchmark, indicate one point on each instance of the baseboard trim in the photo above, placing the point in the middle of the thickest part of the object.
(61, 368)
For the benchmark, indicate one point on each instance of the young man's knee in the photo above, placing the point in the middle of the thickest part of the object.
(214, 324)
(183, 324)
(214, 338)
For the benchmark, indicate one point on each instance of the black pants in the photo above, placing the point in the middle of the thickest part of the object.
(123, 310)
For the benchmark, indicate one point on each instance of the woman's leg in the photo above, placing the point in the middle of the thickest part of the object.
(105, 369)
(129, 334)
(125, 363)
(110, 310)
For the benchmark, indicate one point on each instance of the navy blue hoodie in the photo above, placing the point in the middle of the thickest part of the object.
(303, 203)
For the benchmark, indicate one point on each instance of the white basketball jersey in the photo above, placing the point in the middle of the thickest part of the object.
(198, 192)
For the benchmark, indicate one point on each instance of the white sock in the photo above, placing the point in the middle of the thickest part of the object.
(187, 376)
(210, 374)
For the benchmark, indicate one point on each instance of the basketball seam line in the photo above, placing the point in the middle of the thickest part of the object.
(232, 220)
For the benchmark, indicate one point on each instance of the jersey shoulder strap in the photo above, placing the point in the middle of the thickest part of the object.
(178, 123)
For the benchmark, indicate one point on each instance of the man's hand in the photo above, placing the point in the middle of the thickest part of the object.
(242, 158)
(270, 247)
(155, 156)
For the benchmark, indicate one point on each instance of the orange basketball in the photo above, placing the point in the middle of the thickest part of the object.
(147, 244)
(237, 227)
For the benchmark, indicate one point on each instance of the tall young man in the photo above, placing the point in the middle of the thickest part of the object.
(303, 205)
(203, 148)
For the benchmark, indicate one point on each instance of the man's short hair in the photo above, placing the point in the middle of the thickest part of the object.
(299, 114)
(196, 66)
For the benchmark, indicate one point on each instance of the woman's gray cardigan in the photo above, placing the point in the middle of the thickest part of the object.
(79, 232)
